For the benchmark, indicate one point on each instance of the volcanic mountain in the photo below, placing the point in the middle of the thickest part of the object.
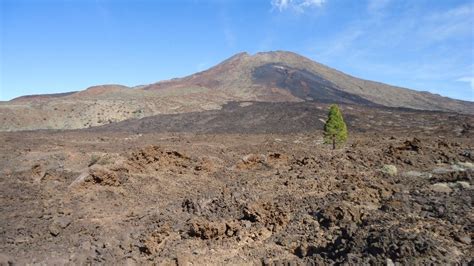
(264, 77)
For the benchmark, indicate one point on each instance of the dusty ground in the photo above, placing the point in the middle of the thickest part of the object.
(89, 197)
(129, 193)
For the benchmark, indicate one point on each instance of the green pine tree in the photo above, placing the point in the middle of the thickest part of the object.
(335, 130)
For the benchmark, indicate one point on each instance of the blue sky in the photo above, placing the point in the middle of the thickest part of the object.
(49, 46)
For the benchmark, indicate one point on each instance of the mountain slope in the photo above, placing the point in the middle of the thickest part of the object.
(263, 77)
(297, 117)
(305, 79)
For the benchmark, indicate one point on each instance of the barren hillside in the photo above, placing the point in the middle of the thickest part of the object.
(263, 77)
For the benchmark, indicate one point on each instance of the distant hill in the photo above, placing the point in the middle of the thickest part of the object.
(263, 77)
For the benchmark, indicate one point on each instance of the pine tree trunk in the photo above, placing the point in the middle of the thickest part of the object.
(333, 142)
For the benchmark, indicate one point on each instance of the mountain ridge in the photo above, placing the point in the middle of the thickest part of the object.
(276, 76)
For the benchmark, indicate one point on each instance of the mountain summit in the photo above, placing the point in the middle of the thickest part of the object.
(277, 76)
(287, 76)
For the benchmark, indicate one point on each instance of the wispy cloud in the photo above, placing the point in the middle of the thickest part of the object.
(296, 5)
(375, 6)
(428, 48)
(450, 23)
(411, 28)
(230, 37)
(468, 80)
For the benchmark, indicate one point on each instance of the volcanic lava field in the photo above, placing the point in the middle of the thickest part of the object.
(251, 184)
